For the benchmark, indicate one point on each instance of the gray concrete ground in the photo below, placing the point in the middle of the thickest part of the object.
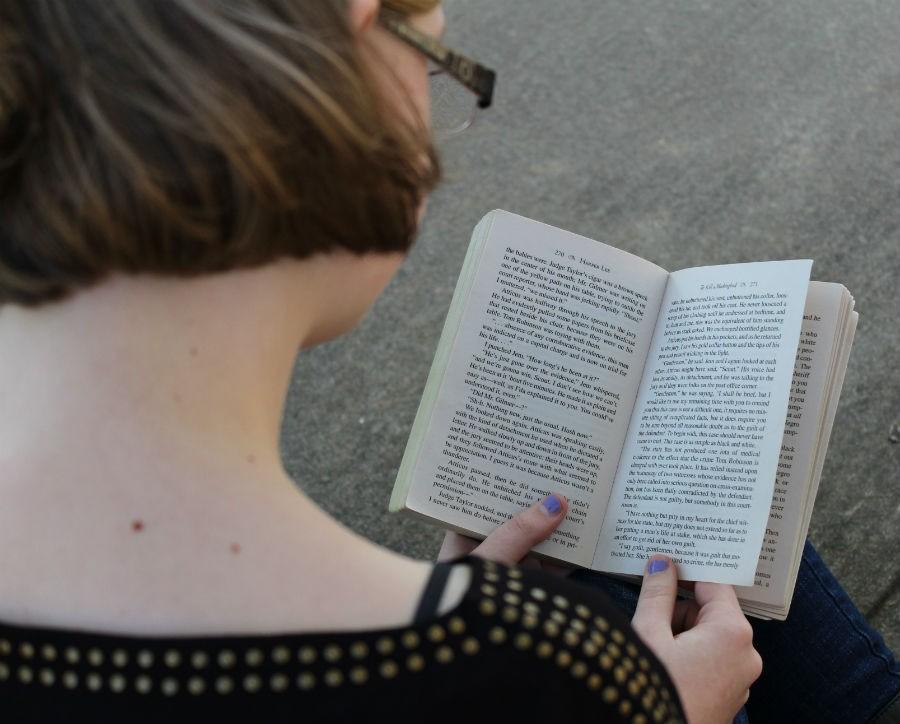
(696, 132)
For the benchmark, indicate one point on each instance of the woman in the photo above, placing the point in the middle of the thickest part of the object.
(190, 191)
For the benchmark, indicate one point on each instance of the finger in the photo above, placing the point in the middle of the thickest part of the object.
(455, 545)
(656, 604)
(716, 600)
(512, 540)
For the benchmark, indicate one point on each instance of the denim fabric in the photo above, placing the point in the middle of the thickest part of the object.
(823, 664)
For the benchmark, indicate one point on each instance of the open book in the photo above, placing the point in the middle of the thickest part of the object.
(686, 412)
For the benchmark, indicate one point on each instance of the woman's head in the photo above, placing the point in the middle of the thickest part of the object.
(186, 137)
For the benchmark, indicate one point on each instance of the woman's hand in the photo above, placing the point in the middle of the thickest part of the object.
(706, 644)
(511, 541)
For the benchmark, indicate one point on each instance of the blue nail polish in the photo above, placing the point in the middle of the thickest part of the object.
(551, 504)
(657, 565)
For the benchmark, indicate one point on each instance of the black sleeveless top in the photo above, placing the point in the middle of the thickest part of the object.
(522, 644)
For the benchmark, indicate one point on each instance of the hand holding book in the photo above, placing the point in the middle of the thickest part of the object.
(655, 402)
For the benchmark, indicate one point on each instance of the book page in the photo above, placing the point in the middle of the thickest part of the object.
(696, 475)
(806, 410)
(539, 384)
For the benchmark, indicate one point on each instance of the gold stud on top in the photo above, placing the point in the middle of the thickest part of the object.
(617, 636)
(281, 654)
(610, 694)
(487, 607)
(119, 658)
(359, 650)
(332, 653)
(589, 648)
(388, 669)
(359, 675)
(199, 659)
(530, 621)
(531, 608)
(93, 681)
(169, 686)
(491, 576)
(551, 628)
(497, 635)
(415, 662)
(384, 645)
(48, 651)
(601, 623)
(594, 681)
(624, 707)
(560, 601)
(456, 625)
(470, 646)
(196, 685)
(579, 669)
(307, 655)
(224, 685)
(117, 683)
(5, 647)
(410, 639)
(514, 585)
(514, 573)
(511, 598)
(172, 658)
(227, 658)
(26, 650)
(306, 681)
(488, 590)
(46, 677)
(95, 657)
(510, 614)
(70, 679)
(278, 682)
(436, 633)
(583, 611)
(563, 658)
(143, 684)
(559, 617)
(578, 625)
(4, 672)
(145, 658)
(252, 683)
(253, 657)
(25, 674)
(571, 638)
(444, 654)
(522, 640)
(544, 649)
(539, 594)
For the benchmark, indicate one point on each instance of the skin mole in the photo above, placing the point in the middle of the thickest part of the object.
(235, 548)
(137, 525)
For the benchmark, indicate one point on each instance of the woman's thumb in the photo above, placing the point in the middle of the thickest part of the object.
(653, 616)
(511, 541)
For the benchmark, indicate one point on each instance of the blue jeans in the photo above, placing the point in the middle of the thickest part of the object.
(823, 664)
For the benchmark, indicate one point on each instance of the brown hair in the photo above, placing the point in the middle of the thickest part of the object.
(184, 137)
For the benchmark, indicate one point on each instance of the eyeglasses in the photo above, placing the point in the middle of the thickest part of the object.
(459, 85)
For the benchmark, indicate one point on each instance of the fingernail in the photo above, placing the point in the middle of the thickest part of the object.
(552, 504)
(657, 565)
